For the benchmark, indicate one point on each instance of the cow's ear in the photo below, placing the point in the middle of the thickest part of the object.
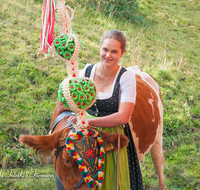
(44, 144)
(111, 141)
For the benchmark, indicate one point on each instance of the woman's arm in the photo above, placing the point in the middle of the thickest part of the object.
(119, 118)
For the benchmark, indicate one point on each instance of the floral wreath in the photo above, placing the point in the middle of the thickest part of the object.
(93, 184)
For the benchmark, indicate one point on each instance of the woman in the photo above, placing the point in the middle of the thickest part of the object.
(114, 106)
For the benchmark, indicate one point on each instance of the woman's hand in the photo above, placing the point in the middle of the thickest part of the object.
(119, 118)
(73, 119)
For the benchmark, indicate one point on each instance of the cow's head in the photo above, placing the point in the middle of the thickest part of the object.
(66, 168)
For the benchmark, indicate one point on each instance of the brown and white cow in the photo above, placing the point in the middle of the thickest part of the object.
(146, 126)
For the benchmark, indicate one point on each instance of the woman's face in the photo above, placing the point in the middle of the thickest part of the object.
(110, 52)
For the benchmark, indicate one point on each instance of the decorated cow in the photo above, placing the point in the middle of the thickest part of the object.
(146, 128)
(79, 149)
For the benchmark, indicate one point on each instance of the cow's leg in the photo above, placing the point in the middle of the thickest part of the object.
(158, 160)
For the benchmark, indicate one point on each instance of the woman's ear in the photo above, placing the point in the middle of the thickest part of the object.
(123, 52)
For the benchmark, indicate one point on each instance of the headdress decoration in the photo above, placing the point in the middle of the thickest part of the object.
(77, 94)
(92, 168)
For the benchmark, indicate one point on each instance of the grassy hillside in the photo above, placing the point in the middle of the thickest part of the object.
(164, 42)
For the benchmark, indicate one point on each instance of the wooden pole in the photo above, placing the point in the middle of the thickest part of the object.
(118, 153)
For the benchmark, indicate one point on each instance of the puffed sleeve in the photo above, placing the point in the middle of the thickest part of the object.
(82, 72)
(128, 87)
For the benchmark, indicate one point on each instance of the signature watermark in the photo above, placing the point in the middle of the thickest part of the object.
(11, 173)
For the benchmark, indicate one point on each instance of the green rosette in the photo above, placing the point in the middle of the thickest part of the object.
(60, 50)
(82, 97)
(86, 88)
(92, 94)
(79, 88)
(91, 84)
(84, 104)
(72, 87)
(63, 37)
(71, 47)
(56, 42)
(89, 98)
(67, 54)
(74, 95)
(79, 103)
(63, 44)
(74, 80)
(82, 81)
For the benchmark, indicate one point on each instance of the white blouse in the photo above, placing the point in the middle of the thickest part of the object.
(127, 85)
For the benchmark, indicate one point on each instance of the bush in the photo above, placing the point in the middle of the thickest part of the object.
(125, 9)
(17, 156)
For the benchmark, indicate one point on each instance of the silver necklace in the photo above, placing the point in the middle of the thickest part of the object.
(106, 82)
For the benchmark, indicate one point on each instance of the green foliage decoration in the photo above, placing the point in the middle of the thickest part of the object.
(64, 46)
(82, 92)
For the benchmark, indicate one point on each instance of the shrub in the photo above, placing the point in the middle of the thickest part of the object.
(17, 156)
(124, 9)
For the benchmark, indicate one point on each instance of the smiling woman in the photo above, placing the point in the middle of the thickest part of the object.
(113, 107)
(110, 55)
(110, 52)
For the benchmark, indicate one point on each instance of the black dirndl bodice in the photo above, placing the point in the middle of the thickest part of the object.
(107, 107)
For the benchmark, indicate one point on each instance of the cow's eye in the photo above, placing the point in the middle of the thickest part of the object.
(66, 161)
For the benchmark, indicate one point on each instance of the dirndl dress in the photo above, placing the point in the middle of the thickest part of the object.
(130, 177)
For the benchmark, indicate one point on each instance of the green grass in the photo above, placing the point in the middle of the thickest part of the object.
(37, 178)
(164, 42)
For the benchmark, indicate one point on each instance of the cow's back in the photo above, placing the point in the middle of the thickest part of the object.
(147, 117)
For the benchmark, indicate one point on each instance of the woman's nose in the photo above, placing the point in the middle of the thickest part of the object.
(108, 54)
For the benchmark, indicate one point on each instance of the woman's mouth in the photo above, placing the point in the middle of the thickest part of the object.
(108, 60)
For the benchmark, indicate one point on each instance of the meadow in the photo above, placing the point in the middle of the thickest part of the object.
(163, 39)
